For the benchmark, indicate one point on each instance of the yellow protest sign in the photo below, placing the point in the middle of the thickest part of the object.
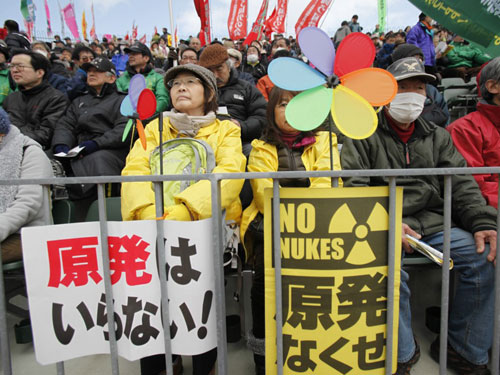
(334, 280)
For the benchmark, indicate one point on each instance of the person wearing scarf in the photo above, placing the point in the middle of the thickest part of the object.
(281, 148)
(20, 205)
(193, 90)
(477, 135)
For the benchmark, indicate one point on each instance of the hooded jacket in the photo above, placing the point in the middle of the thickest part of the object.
(465, 55)
(29, 206)
(429, 147)
(264, 158)
(244, 103)
(36, 111)
(421, 37)
(225, 140)
(154, 82)
(477, 137)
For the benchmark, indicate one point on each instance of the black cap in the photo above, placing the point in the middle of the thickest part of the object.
(139, 48)
(406, 50)
(409, 67)
(102, 64)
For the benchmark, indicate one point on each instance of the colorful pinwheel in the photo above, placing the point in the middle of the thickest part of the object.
(138, 105)
(344, 84)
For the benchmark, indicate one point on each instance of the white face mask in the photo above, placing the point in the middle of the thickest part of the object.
(406, 107)
(252, 58)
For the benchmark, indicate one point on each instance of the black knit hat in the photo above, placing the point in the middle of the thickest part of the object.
(406, 50)
(4, 122)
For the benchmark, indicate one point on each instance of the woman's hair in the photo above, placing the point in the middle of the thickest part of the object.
(211, 104)
(491, 71)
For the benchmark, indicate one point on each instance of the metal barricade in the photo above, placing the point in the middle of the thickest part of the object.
(215, 181)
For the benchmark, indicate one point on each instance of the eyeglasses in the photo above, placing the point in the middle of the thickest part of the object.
(20, 67)
(189, 82)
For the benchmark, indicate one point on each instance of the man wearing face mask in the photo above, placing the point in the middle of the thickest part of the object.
(404, 139)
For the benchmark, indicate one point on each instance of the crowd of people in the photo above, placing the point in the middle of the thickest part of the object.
(60, 98)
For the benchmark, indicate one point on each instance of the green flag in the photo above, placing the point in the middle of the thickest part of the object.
(475, 20)
(382, 14)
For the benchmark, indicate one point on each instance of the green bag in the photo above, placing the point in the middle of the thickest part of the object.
(181, 156)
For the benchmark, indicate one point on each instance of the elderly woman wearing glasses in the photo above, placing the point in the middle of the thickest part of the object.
(193, 90)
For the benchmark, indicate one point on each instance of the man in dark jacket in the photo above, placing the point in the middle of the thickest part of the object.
(404, 139)
(237, 98)
(93, 121)
(15, 40)
(37, 106)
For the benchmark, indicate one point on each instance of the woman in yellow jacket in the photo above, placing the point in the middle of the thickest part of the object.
(281, 148)
(193, 90)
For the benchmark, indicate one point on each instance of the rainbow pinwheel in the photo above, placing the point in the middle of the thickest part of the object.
(138, 105)
(344, 84)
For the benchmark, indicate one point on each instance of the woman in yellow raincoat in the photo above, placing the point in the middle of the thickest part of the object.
(193, 90)
(281, 148)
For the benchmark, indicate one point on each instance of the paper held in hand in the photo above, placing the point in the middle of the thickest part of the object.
(431, 253)
(75, 151)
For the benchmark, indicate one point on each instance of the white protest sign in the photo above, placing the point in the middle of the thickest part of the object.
(64, 275)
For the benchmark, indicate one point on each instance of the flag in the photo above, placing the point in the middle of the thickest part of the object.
(69, 17)
(237, 21)
(475, 20)
(143, 39)
(176, 38)
(203, 11)
(134, 31)
(84, 26)
(276, 22)
(382, 14)
(93, 35)
(61, 14)
(312, 14)
(127, 37)
(258, 25)
(47, 14)
(155, 31)
(28, 12)
(267, 25)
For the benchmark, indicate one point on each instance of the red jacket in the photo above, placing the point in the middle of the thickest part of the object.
(477, 137)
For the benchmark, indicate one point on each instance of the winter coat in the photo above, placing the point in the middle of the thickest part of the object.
(264, 158)
(154, 82)
(93, 117)
(429, 147)
(225, 140)
(265, 85)
(435, 107)
(120, 61)
(477, 137)
(246, 77)
(77, 85)
(58, 81)
(355, 26)
(465, 55)
(245, 104)
(384, 58)
(17, 40)
(29, 206)
(5, 88)
(422, 38)
(257, 71)
(340, 34)
(36, 111)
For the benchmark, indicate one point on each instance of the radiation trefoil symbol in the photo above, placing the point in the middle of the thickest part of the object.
(343, 221)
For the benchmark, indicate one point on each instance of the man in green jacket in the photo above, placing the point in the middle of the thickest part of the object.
(405, 140)
(464, 60)
(139, 62)
(5, 88)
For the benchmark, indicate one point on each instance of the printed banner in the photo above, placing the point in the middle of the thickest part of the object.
(69, 17)
(47, 14)
(276, 22)
(203, 11)
(475, 20)
(382, 14)
(237, 20)
(258, 26)
(312, 14)
(334, 277)
(64, 276)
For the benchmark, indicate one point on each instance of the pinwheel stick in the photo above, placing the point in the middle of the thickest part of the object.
(330, 130)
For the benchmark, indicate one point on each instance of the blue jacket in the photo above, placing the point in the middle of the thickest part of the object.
(58, 82)
(77, 85)
(422, 38)
(384, 59)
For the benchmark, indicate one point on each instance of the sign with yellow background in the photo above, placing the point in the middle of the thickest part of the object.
(334, 280)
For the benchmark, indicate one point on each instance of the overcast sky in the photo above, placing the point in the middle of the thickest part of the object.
(116, 16)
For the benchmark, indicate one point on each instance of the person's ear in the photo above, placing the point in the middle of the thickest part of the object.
(493, 86)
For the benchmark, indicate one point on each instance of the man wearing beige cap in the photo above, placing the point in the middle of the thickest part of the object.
(237, 98)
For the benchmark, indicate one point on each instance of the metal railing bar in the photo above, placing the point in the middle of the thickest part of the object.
(445, 278)
(277, 275)
(495, 350)
(160, 246)
(391, 266)
(110, 310)
(219, 278)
